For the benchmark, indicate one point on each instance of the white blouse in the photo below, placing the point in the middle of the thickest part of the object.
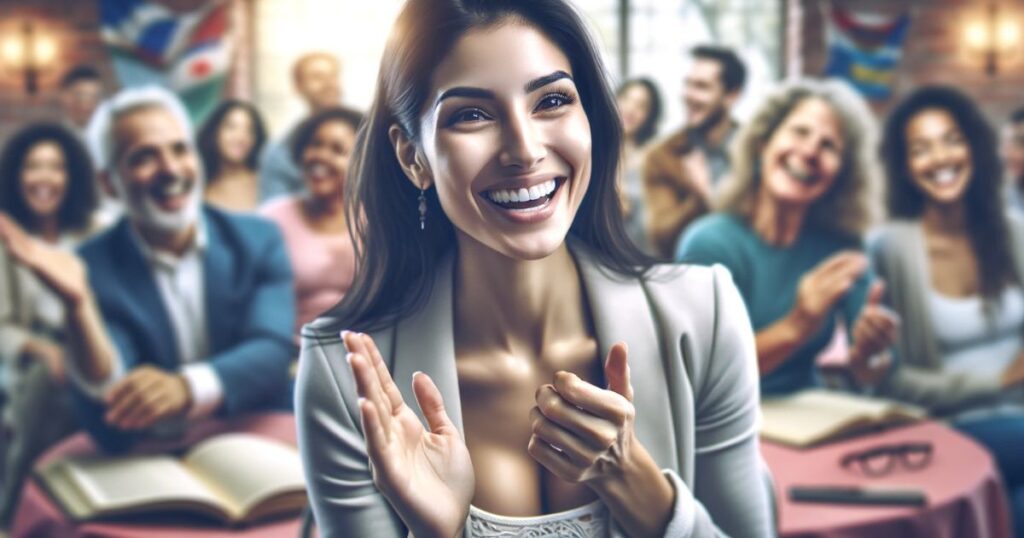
(587, 521)
(972, 342)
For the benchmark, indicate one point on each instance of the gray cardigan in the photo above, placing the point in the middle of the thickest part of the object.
(692, 362)
(898, 256)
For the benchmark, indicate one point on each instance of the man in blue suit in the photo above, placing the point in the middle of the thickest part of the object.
(184, 311)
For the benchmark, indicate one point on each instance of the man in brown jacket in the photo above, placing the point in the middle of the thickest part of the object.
(680, 173)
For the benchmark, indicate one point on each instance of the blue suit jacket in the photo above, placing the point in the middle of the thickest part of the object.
(250, 311)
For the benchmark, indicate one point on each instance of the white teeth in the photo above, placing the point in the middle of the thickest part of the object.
(318, 170)
(945, 176)
(798, 170)
(523, 194)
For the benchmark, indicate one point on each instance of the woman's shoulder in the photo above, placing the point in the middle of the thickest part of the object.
(280, 208)
(687, 291)
(711, 237)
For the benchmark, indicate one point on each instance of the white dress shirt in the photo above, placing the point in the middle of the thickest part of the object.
(179, 280)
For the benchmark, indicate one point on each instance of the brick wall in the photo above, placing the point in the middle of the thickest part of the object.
(934, 51)
(75, 26)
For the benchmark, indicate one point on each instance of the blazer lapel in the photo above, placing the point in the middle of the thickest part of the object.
(136, 275)
(425, 342)
(217, 270)
(622, 313)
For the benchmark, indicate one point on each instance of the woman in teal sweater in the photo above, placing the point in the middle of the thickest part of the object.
(793, 213)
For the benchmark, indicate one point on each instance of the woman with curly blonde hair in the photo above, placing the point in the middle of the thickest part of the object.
(791, 220)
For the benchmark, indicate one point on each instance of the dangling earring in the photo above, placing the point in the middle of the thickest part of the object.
(423, 209)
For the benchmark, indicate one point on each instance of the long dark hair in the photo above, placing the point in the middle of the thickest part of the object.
(983, 206)
(395, 260)
(208, 146)
(649, 127)
(80, 199)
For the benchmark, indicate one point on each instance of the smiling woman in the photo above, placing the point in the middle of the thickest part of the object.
(314, 225)
(47, 187)
(499, 292)
(790, 232)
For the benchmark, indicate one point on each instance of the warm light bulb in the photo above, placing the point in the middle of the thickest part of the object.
(1008, 34)
(976, 36)
(13, 51)
(44, 51)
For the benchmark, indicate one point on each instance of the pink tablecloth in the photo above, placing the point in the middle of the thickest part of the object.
(38, 517)
(965, 494)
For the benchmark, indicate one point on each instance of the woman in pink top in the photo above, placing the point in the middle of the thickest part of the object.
(313, 224)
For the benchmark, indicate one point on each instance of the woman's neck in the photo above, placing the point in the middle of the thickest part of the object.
(325, 213)
(48, 228)
(235, 171)
(944, 219)
(776, 224)
(516, 306)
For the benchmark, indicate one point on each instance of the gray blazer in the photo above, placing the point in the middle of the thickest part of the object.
(693, 369)
(898, 256)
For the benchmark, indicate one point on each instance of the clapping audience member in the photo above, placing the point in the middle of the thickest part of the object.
(185, 311)
(317, 80)
(793, 214)
(230, 144)
(639, 104)
(955, 261)
(314, 224)
(47, 188)
(682, 173)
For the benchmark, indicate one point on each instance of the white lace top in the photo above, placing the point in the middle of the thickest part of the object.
(587, 521)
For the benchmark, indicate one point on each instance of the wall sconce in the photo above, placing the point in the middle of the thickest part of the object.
(29, 53)
(992, 37)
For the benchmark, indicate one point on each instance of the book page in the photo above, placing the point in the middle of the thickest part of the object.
(113, 484)
(248, 468)
(814, 415)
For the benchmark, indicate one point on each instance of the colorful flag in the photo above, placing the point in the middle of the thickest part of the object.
(188, 52)
(865, 49)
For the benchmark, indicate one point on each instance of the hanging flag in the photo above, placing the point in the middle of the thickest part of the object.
(188, 52)
(865, 49)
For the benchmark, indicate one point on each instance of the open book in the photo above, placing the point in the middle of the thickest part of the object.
(813, 416)
(234, 478)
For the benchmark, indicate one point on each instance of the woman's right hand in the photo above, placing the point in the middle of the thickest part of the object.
(427, 476)
(61, 271)
(821, 288)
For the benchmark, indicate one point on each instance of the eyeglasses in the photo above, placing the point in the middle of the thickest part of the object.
(881, 460)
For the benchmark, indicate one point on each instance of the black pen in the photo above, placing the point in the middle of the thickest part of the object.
(858, 495)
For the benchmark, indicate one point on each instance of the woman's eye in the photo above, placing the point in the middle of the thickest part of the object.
(553, 100)
(469, 115)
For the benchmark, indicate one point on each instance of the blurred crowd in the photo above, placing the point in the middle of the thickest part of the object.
(154, 272)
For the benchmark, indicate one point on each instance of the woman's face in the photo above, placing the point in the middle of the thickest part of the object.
(938, 156)
(506, 140)
(634, 107)
(44, 179)
(236, 136)
(804, 154)
(325, 158)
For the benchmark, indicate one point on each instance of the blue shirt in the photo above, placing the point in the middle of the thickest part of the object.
(767, 277)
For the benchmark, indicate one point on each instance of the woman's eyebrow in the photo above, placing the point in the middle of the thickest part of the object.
(480, 93)
(540, 82)
(464, 91)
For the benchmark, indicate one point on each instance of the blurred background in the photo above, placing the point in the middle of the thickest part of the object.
(954, 41)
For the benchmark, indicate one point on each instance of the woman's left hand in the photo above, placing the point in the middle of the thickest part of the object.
(585, 434)
(873, 334)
